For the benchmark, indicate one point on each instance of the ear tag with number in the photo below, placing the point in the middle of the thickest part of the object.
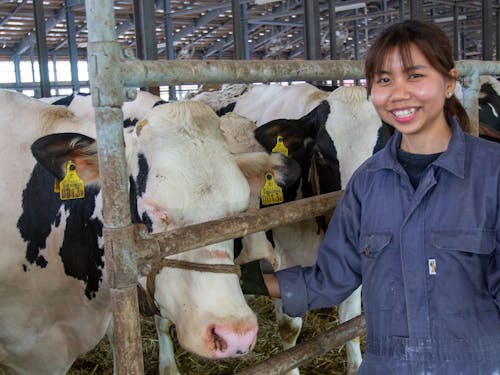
(271, 193)
(71, 186)
(280, 146)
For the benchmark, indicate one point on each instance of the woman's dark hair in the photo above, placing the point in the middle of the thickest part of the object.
(434, 45)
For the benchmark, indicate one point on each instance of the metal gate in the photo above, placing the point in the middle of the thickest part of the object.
(112, 72)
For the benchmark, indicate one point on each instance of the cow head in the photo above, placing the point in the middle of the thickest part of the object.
(181, 173)
(331, 141)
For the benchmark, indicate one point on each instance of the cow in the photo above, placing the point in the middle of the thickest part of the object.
(53, 284)
(489, 108)
(330, 135)
(329, 142)
(81, 105)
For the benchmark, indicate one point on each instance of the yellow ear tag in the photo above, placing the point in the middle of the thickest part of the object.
(271, 193)
(57, 187)
(71, 186)
(280, 146)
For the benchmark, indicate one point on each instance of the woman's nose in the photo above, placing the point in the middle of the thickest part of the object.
(400, 90)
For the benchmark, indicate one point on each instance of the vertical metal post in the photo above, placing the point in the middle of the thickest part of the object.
(332, 23)
(54, 71)
(145, 33)
(106, 86)
(356, 35)
(17, 70)
(41, 48)
(498, 31)
(416, 11)
(487, 29)
(72, 47)
(244, 31)
(239, 49)
(311, 25)
(401, 10)
(456, 34)
(169, 40)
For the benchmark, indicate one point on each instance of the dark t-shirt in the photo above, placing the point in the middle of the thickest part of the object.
(415, 164)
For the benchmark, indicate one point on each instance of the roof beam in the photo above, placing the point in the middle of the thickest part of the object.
(13, 13)
(28, 42)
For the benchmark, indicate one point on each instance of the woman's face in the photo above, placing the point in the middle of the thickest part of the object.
(412, 99)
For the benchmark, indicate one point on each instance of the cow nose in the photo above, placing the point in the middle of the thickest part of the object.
(232, 342)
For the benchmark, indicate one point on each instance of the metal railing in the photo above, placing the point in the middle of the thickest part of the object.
(112, 72)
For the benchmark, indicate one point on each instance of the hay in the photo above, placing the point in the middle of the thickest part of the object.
(100, 361)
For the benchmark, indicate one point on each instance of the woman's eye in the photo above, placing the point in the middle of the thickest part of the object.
(383, 80)
(415, 75)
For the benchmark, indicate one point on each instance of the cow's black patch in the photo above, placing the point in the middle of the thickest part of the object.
(66, 101)
(159, 102)
(228, 108)
(129, 122)
(486, 104)
(142, 176)
(137, 188)
(80, 254)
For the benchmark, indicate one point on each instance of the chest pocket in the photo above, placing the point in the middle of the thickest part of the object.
(462, 260)
(378, 273)
(372, 244)
(474, 241)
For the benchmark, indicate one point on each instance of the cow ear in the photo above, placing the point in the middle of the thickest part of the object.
(291, 131)
(255, 165)
(55, 150)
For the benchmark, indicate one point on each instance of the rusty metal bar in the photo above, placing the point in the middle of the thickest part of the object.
(136, 72)
(104, 56)
(197, 235)
(307, 351)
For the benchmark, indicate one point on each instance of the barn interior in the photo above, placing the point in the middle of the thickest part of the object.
(50, 31)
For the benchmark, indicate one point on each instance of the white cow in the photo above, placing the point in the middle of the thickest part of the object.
(81, 105)
(339, 130)
(55, 298)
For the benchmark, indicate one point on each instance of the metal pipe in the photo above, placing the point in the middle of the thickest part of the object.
(136, 72)
(238, 37)
(197, 235)
(41, 41)
(306, 352)
(104, 56)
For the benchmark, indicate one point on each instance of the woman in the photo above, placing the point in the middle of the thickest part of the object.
(418, 224)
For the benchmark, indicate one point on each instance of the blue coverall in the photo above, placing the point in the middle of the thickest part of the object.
(428, 259)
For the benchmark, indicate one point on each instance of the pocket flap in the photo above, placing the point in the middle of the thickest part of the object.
(373, 243)
(478, 241)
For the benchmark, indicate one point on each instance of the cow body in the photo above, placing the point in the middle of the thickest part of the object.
(334, 131)
(134, 110)
(330, 142)
(55, 299)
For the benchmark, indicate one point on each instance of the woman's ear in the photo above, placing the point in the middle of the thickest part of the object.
(452, 84)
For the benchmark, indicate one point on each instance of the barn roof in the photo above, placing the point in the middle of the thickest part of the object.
(203, 29)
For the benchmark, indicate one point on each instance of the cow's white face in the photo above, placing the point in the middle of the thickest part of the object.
(184, 174)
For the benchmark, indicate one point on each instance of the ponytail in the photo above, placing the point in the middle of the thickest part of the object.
(453, 108)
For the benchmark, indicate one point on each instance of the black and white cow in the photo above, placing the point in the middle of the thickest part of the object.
(330, 142)
(81, 105)
(55, 298)
(330, 135)
(489, 108)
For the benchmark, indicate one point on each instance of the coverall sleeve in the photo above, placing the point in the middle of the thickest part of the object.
(337, 271)
(494, 269)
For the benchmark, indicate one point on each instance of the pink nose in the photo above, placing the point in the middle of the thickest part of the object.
(230, 342)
